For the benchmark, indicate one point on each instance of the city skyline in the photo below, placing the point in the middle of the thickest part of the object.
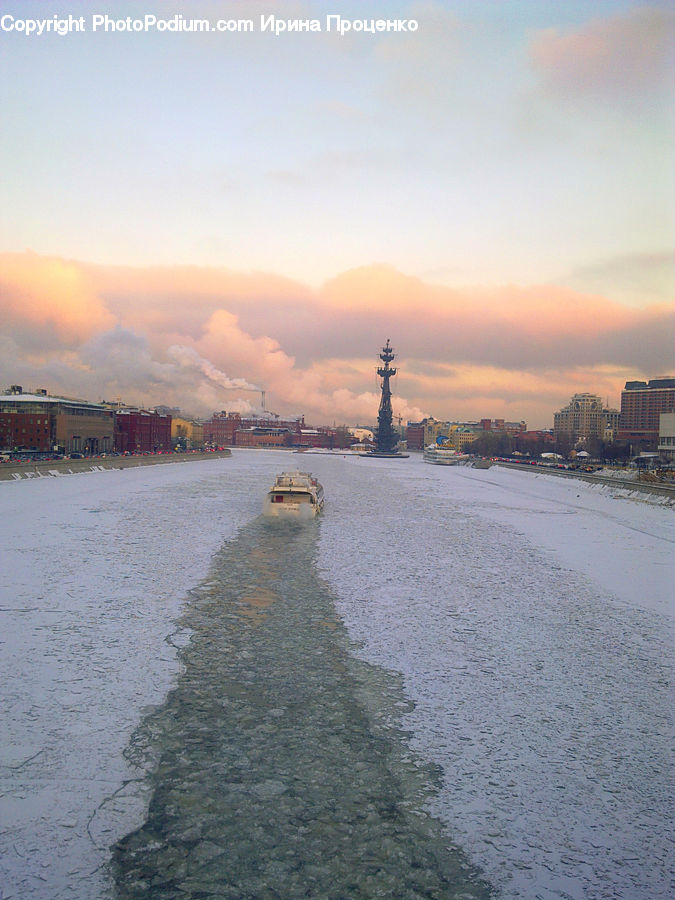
(191, 214)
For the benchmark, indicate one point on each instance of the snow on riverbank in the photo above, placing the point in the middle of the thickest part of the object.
(530, 616)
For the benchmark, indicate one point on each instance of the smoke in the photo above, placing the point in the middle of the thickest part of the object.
(190, 359)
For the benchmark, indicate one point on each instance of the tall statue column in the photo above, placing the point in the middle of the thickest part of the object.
(386, 437)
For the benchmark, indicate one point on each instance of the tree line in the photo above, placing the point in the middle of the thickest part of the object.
(499, 443)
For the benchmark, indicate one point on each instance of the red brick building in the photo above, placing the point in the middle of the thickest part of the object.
(223, 428)
(500, 425)
(142, 431)
(42, 422)
(263, 437)
(414, 435)
(26, 431)
(312, 437)
(641, 405)
(528, 440)
(220, 429)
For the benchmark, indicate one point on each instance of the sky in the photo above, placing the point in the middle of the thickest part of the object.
(190, 218)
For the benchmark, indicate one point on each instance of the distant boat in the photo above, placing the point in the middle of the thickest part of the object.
(444, 456)
(294, 495)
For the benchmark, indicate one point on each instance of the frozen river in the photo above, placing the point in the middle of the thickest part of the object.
(528, 618)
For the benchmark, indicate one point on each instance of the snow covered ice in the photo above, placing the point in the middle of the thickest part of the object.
(529, 617)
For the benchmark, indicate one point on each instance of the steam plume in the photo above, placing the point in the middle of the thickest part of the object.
(189, 358)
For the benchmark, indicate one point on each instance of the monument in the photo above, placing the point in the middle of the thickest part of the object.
(386, 437)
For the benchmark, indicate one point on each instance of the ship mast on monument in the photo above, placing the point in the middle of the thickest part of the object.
(387, 437)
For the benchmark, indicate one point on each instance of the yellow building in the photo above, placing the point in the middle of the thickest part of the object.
(187, 434)
(465, 436)
(460, 436)
(433, 429)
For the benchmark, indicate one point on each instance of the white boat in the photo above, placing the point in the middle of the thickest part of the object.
(444, 456)
(294, 495)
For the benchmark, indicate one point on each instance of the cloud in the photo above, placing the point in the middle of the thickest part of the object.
(208, 339)
(48, 302)
(514, 326)
(120, 360)
(189, 358)
(420, 66)
(637, 279)
(620, 57)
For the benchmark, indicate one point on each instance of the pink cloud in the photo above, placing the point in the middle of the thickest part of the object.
(185, 336)
(50, 301)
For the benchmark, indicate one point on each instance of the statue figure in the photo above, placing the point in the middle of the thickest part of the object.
(387, 438)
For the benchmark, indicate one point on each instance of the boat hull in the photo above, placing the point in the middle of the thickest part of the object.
(294, 495)
(438, 458)
(290, 509)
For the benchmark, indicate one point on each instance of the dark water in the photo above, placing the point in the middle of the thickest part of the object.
(277, 765)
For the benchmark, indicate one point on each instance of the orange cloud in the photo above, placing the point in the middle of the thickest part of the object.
(206, 339)
(383, 288)
(50, 300)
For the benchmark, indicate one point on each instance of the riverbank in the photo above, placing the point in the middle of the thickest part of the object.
(52, 467)
(631, 484)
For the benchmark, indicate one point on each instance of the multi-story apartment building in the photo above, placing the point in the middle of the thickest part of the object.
(581, 419)
(641, 405)
(42, 422)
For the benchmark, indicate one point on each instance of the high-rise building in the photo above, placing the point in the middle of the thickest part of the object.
(581, 419)
(641, 405)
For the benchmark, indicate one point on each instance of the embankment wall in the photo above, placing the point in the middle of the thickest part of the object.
(20, 471)
(646, 487)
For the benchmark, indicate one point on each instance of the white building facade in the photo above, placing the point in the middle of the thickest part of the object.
(666, 445)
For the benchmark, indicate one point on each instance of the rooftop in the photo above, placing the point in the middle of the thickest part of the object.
(11, 397)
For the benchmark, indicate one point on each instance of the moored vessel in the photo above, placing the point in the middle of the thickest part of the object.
(444, 456)
(294, 495)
